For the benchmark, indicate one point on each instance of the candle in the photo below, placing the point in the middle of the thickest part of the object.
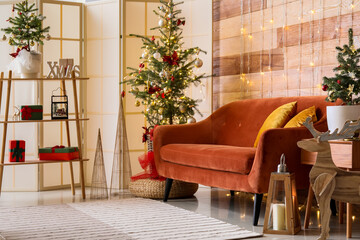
(279, 216)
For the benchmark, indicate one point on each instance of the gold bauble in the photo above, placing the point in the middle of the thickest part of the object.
(182, 108)
(152, 103)
(134, 89)
(48, 37)
(4, 38)
(198, 63)
(137, 103)
(27, 26)
(32, 43)
(161, 110)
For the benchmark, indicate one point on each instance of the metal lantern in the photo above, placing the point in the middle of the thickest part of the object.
(282, 213)
(59, 106)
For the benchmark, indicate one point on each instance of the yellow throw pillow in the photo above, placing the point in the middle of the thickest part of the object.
(277, 119)
(300, 118)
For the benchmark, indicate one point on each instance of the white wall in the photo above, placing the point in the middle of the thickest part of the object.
(103, 68)
(20, 178)
(198, 33)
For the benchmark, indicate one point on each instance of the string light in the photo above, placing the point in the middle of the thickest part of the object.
(262, 47)
(300, 47)
(316, 45)
(250, 37)
(312, 64)
(271, 46)
(318, 69)
(284, 49)
(242, 43)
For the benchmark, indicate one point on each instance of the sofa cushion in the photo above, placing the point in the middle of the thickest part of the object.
(300, 118)
(215, 157)
(277, 119)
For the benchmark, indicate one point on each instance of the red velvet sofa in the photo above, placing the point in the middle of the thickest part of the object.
(219, 152)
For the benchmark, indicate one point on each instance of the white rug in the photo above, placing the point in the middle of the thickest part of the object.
(133, 218)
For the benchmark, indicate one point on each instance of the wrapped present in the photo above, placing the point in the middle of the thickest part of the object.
(17, 151)
(31, 112)
(58, 153)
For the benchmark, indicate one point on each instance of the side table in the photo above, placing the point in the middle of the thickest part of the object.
(346, 155)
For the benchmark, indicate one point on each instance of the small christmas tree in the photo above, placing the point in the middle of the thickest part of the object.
(166, 71)
(26, 29)
(345, 85)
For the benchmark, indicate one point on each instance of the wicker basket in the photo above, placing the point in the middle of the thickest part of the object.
(148, 188)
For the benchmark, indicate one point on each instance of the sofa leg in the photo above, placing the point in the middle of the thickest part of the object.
(333, 207)
(232, 193)
(168, 184)
(257, 208)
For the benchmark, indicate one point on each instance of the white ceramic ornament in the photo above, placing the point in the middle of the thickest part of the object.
(157, 55)
(191, 120)
(162, 23)
(198, 63)
(163, 74)
(144, 55)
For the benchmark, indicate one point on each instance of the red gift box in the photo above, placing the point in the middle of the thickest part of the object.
(17, 151)
(58, 153)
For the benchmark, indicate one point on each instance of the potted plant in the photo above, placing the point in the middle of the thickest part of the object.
(24, 33)
(344, 86)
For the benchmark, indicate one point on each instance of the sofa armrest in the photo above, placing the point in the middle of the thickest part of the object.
(272, 144)
(194, 133)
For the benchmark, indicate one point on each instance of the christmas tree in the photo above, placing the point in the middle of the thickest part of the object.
(345, 84)
(26, 29)
(166, 71)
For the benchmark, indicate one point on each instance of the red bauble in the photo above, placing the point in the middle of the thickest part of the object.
(152, 38)
(141, 65)
(19, 13)
(180, 22)
(172, 78)
(338, 81)
(123, 93)
(325, 87)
